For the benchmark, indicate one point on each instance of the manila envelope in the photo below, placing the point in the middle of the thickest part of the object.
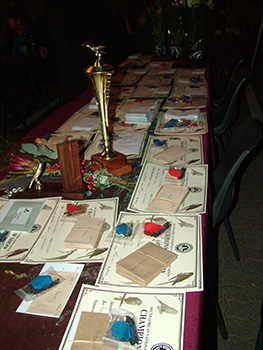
(90, 332)
(146, 263)
(171, 154)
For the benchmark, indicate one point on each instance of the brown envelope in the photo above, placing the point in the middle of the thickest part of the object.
(171, 154)
(168, 199)
(85, 234)
(90, 332)
(146, 263)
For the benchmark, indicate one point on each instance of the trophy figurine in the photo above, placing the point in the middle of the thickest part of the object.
(100, 75)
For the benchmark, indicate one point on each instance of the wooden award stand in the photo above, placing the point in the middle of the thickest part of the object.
(117, 165)
(72, 186)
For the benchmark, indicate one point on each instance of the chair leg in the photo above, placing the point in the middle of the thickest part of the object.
(219, 317)
(259, 344)
(231, 238)
(220, 146)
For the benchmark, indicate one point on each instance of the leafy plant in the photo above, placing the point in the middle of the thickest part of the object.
(155, 15)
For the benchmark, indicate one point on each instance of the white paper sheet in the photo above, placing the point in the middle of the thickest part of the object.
(50, 245)
(52, 302)
(131, 145)
(18, 244)
(159, 319)
(152, 177)
(192, 143)
(182, 238)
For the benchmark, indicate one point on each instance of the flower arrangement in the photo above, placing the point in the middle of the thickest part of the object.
(102, 179)
(26, 162)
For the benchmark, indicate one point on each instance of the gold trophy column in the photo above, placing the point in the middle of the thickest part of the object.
(100, 75)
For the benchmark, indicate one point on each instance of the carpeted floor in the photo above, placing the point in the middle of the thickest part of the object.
(241, 282)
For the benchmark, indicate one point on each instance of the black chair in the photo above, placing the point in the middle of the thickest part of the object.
(259, 344)
(245, 139)
(226, 110)
(219, 95)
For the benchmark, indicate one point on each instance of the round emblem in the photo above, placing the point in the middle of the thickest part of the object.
(162, 346)
(107, 226)
(195, 189)
(35, 228)
(183, 247)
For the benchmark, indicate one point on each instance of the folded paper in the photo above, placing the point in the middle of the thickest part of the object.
(168, 199)
(91, 330)
(146, 263)
(85, 234)
(171, 154)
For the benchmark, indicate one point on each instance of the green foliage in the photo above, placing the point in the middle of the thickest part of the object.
(38, 151)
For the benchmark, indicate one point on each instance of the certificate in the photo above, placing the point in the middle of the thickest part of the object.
(183, 238)
(195, 127)
(52, 302)
(131, 145)
(151, 91)
(66, 136)
(50, 245)
(18, 244)
(152, 177)
(79, 120)
(192, 143)
(159, 319)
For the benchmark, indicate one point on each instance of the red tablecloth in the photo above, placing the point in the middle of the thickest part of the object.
(24, 332)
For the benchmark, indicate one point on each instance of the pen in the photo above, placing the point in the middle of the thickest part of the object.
(164, 228)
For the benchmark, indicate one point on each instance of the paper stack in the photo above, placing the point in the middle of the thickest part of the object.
(168, 199)
(192, 114)
(87, 123)
(139, 118)
(85, 234)
(146, 263)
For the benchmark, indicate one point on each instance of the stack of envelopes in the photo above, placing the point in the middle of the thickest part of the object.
(146, 263)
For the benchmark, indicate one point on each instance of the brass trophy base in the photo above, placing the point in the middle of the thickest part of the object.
(117, 165)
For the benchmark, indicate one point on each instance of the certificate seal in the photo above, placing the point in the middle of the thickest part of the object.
(184, 247)
(35, 228)
(195, 189)
(162, 346)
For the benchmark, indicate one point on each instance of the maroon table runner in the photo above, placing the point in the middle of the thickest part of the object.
(24, 332)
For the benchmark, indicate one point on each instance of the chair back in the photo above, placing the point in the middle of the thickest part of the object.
(225, 114)
(245, 139)
(218, 101)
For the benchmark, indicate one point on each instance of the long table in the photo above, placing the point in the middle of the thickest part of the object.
(20, 331)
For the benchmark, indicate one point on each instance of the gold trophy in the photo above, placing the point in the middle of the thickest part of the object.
(100, 75)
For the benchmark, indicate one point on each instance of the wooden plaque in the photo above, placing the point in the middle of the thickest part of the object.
(68, 157)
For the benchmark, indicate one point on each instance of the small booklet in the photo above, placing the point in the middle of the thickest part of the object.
(85, 234)
(168, 199)
(146, 263)
(171, 154)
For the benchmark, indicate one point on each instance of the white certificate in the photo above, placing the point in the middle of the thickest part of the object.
(159, 319)
(192, 143)
(194, 128)
(130, 145)
(152, 177)
(50, 245)
(17, 244)
(183, 238)
(52, 302)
